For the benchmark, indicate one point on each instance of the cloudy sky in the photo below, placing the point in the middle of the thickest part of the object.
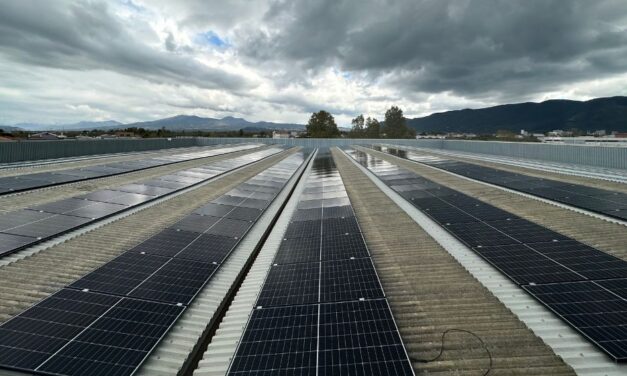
(279, 60)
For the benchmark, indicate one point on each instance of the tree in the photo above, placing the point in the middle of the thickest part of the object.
(395, 125)
(373, 128)
(322, 125)
(357, 131)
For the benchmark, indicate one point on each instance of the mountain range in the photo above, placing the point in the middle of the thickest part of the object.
(609, 114)
(175, 123)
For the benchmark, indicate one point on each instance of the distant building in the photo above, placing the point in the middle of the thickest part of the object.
(429, 136)
(122, 134)
(286, 134)
(47, 136)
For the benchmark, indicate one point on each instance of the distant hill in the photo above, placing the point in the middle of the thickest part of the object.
(176, 123)
(195, 123)
(9, 129)
(609, 114)
(80, 126)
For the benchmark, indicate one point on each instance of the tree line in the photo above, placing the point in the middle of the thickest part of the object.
(322, 125)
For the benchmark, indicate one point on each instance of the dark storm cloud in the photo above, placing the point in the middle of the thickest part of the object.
(86, 36)
(501, 47)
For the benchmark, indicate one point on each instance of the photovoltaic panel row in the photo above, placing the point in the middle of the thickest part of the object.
(481, 226)
(29, 226)
(598, 200)
(110, 320)
(12, 184)
(321, 309)
(77, 332)
(550, 266)
(174, 264)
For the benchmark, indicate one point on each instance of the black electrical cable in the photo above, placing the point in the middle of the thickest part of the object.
(442, 349)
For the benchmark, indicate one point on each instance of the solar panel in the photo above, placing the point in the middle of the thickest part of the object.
(20, 218)
(215, 210)
(195, 223)
(244, 214)
(291, 284)
(254, 203)
(49, 226)
(230, 228)
(524, 265)
(303, 229)
(339, 226)
(62, 206)
(585, 260)
(166, 243)
(352, 279)
(116, 197)
(18, 184)
(9, 243)
(591, 309)
(338, 212)
(97, 210)
(117, 342)
(208, 248)
(343, 247)
(122, 274)
(29, 339)
(310, 204)
(360, 338)
(228, 200)
(308, 214)
(526, 232)
(279, 341)
(143, 189)
(298, 250)
(178, 281)
(479, 234)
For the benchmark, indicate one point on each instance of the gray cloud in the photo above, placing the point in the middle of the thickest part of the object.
(85, 35)
(467, 47)
(141, 59)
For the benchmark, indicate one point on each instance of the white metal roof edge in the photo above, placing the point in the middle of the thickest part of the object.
(217, 359)
(575, 350)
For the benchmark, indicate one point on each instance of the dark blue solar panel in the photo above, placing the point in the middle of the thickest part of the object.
(291, 284)
(279, 341)
(360, 338)
(591, 309)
